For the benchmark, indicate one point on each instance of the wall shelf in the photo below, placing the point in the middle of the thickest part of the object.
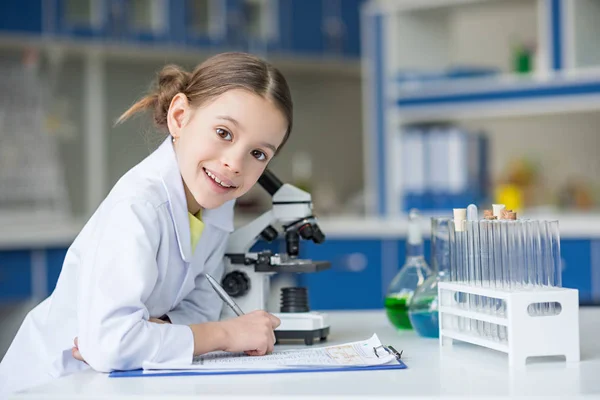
(407, 43)
(499, 97)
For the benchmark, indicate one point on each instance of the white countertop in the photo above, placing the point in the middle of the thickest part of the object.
(462, 370)
(30, 233)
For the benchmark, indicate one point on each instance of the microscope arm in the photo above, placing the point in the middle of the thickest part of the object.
(242, 239)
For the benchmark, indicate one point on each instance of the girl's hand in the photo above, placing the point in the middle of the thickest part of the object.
(75, 350)
(251, 333)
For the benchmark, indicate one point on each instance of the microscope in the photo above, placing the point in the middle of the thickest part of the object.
(247, 274)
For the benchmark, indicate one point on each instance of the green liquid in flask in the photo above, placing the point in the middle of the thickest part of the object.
(397, 312)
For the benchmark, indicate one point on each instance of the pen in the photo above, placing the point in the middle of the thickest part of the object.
(223, 295)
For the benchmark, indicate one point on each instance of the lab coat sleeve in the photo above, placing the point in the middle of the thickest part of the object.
(202, 304)
(117, 275)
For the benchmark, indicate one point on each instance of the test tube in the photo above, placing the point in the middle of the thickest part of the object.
(556, 275)
(526, 254)
(532, 256)
(452, 251)
(517, 263)
(493, 274)
(460, 215)
(473, 238)
(484, 257)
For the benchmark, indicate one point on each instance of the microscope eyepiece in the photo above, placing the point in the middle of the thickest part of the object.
(270, 182)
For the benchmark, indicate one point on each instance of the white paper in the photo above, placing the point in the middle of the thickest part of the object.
(344, 355)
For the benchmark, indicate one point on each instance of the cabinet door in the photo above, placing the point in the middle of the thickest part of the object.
(202, 23)
(54, 259)
(595, 269)
(146, 20)
(350, 18)
(254, 25)
(15, 275)
(576, 267)
(306, 26)
(355, 278)
(21, 16)
(83, 18)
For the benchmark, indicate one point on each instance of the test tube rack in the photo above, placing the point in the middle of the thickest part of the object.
(528, 335)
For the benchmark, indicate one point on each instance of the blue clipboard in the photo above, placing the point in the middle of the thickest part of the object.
(137, 373)
(140, 373)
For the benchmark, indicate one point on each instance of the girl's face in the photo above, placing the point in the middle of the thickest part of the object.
(224, 146)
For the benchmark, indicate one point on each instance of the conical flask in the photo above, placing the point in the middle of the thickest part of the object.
(412, 274)
(423, 307)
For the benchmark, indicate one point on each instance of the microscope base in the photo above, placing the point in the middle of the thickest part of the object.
(305, 326)
(307, 336)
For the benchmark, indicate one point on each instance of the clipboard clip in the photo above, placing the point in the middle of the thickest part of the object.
(390, 350)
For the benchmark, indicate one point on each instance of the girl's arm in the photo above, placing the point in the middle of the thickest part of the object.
(117, 275)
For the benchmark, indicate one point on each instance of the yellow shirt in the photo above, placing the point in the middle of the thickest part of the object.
(196, 228)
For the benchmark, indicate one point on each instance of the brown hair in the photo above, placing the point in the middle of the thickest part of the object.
(212, 78)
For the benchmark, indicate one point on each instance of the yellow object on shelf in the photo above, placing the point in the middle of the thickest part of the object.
(509, 195)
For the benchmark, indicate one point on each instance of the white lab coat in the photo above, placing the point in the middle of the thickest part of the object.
(132, 261)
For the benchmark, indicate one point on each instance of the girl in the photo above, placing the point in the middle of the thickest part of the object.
(132, 286)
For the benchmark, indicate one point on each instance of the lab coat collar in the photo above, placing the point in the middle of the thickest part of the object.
(220, 217)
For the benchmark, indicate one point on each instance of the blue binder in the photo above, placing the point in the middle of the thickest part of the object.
(140, 372)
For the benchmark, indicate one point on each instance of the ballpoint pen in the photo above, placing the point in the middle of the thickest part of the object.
(223, 295)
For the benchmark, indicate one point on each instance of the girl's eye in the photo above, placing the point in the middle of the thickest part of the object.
(223, 134)
(259, 155)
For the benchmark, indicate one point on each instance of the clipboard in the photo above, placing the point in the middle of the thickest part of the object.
(137, 373)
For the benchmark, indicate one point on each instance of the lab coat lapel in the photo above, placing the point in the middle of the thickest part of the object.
(220, 217)
(173, 184)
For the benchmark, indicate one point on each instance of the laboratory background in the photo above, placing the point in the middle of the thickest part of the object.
(399, 105)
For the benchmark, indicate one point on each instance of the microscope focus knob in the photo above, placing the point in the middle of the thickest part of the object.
(236, 283)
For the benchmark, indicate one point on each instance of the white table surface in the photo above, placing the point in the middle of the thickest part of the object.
(455, 372)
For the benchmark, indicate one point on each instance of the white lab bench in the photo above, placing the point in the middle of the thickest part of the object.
(458, 371)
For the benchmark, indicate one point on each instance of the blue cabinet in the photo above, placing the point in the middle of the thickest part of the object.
(293, 27)
(355, 278)
(304, 25)
(15, 275)
(81, 18)
(201, 23)
(54, 259)
(577, 267)
(23, 16)
(350, 17)
(322, 27)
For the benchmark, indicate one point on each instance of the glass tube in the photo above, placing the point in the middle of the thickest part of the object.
(470, 270)
(539, 264)
(477, 275)
(556, 275)
(462, 249)
(453, 252)
(494, 252)
(454, 267)
(484, 259)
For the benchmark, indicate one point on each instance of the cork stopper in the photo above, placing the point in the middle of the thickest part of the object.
(498, 210)
(460, 215)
